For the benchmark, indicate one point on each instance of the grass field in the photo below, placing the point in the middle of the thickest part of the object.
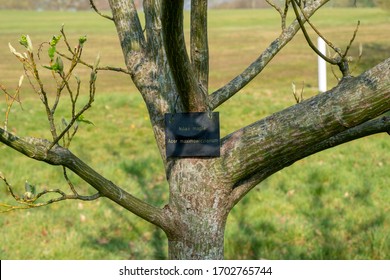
(333, 205)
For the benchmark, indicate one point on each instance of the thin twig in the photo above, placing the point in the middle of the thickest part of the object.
(282, 13)
(307, 37)
(98, 12)
(337, 50)
(352, 39)
(101, 68)
(28, 203)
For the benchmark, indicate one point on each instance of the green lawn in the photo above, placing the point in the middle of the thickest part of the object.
(333, 205)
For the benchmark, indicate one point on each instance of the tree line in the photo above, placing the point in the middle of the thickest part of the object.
(217, 4)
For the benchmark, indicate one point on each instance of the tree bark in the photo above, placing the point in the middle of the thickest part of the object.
(198, 206)
(288, 133)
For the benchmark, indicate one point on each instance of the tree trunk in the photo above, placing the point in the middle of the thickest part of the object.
(200, 236)
(198, 207)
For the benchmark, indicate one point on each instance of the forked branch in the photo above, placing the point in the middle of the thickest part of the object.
(30, 198)
(273, 142)
(341, 59)
(10, 99)
(38, 149)
(230, 89)
(282, 12)
(79, 60)
(192, 96)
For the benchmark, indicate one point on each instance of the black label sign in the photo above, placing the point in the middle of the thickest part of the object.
(192, 134)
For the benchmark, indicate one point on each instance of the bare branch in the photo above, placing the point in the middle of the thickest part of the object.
(307, 37)
(128, 26)
(352, 39)
(192, 96)
(272, 142)
(230, 89)
(378, 125)
(199, 42)
(340, 60)
(282, 13)
(29, 200)
(10, 99)
(38, 149)
(98, 12)
(75, 116)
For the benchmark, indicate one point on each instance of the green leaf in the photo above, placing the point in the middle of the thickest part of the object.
(23, 41)
(60, 64)
(54, 40)
(48, 67)
(29, 188)
(82, 40)
(51, 51)
(82, 119)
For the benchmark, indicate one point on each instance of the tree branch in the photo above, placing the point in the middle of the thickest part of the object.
(282, 138)
(340, 60)
(192, 97)
(98, 12)
(199, 42)
(29, 199)
(230, 89)
(128, 27)
(38, 149)
(378, 125)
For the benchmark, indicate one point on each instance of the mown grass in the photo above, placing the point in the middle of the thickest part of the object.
(333, 205)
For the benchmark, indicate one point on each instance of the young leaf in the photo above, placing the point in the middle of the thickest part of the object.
(60, 64)
(51, 51)
(29, 44)
(12, 49)
(20, 81)
(97, 61)
(82, 40)
(54, 40)
(23, 41)
(48, 67)
(29, 188)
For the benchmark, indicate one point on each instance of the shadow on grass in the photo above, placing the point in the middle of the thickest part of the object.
(139, 240)
(321, 226)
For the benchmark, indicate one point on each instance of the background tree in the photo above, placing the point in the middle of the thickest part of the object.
(382, 4)
(202, 191)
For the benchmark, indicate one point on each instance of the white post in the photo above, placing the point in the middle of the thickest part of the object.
(321, 66)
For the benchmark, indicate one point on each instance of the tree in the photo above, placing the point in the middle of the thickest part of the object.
(203, 190)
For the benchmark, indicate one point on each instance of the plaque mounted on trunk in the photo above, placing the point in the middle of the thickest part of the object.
(192, 134)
